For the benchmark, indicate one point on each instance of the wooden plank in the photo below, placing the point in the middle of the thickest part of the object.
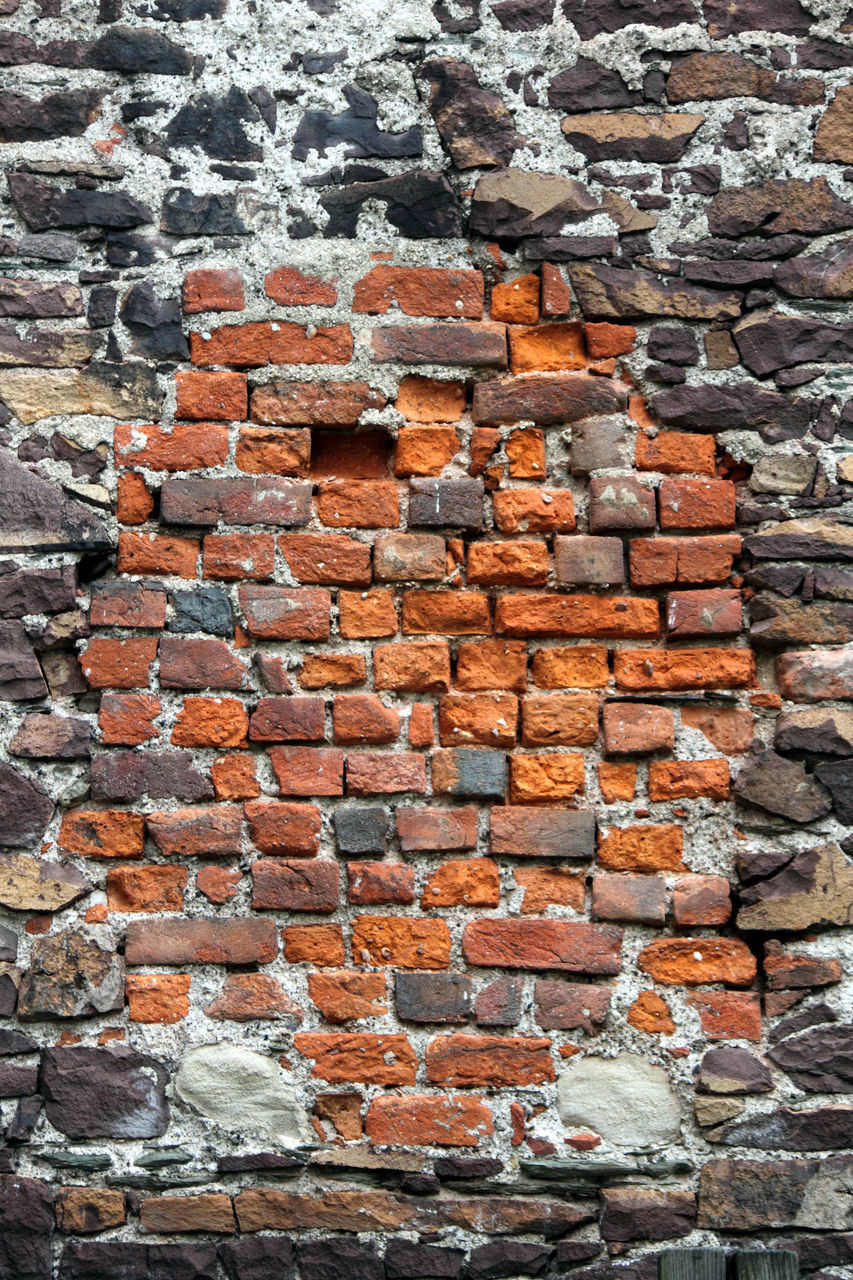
(766, 1264)
(692, 1264)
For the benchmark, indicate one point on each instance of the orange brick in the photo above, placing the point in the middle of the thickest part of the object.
(559, 720)
(234, 778)
(547, 348)
(642, 849)
(275, 451)
(697, 504)
(118, 664)
(730, 729)
(212, 289)
(516, 301)
(359, 1057)
(492, 664)
(345, 996)
(102, 833)
(187, 447)
(323, 670)
(650, 1013)
(474, 882)
(672, 452)
(308, 771)
(446, 613)
(427, 1120)
(430, 399)
(687, 779)
(134, 502)
(485, 719)
(425, 451)
(683, 669)
(728, 1015)
(402, 942)
(693, 961)
(618, 781)
(155, 554)
(420, 291)
(135, 888)
(233, 557)
(525, 450)
(550, 886)
(158, 997)
(289, 287)
(534, 511)
(634, 728)
(604, 340)
(220, 397)
(218, 884)
(314, 944)
(556, 294)
(365, 615)
(577, 667)
(211, 722)
(545, 776)
(127, 719)
(512, 564)
(363, 717)
(359, 504)
(264, 342)
(412, 668)
(663, 562)
(421, 731)
(616, 617)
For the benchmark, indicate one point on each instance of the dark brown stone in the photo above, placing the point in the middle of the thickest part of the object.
(129, 775)
(779, 206)
(21, 676)
(104, 1093)
(781, 787)
(25, 809)
(828, 732)
(828, 274)
(612, 293)
(474, 123)
(730, 1070)
(628, 135)
(49, 737)
(26, 1228)
(513, 203)
(72, 974)
(731, 17)
(588, 86)
(769, 341)
(592, 17)
(66, 114)
(749, 1195)
(547, 399)
(570, 1005)
(819, 1059)
(817, 538)
(741, 406)
(36, 516)
(645, 1213)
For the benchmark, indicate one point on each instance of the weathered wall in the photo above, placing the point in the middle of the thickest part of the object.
(425, 504)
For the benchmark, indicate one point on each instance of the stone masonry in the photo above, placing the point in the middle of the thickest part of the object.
(426, 592)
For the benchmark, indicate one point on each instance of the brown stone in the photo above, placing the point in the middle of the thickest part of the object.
(628, 135)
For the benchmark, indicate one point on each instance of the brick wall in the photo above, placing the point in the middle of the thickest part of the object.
(426, 500)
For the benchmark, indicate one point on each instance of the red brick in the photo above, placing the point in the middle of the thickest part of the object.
(157, 997)
(363, 718)
(643, 848)
(474, 882)
(234, 778)
(728, 1015)
(697, 504)
(559, 720)
(617, 781)
(102, 833)
(138, 889)
(213, 831)
(201, 941)
(608, 617)
(308, 771)
(730, 729)
(155, 554)
(346, 996)
(488, 1061)
(691, 614)
(701, 900)
(232, 557)
(446, 613)
(693, 961)
(412, 668)
(290, 719)
(218, 884)
(359, 504)
(534, 511)
(635, 728)
(550, 886)
(211, 722)
(118, 664)
(604, 340)
(321, 945)
(187, 663)
(525, 450)
(359, 1057)
(487, 719)
(420, 291)
(282, 613)
(128, 719)
(289, 287)
(276, 826)
(492, 664)
(384, 773)
(570, 1006)
(326, 558)
(641, 670)
(661, 562)
(134, 502)
(366, 615)
(314, 404)
(128, 604)
(246, 997)
(188, 446)
(547, 348)
(218, 397)
(687, 779)
(426, 830)
(674, 452)
(87, 1210)
(212, 289)
(421, 729)
(574, 946)
(477, 346)
(263, 342)
(427, 1120)
(273, 451)
(211, 1211)
(283, 885)
(556, 294)
(402, 942)
(633, 898)
(375, 884)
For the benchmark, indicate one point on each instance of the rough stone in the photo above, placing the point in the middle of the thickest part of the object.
(72, 974)
(625, 1099)
(104, 1093)
(236, 1088)
(473, 122)
(612, 293)
(770, 782)
(511, 204)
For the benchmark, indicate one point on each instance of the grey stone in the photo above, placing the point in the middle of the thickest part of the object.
(589, 561)
(776, 473)
(205, 609)
(474, 772)
(627, 1100)
(828, 732)
(817, 1129)
(320, 129)
(360, 830)
(456, 503)
(421, 205)
(18, 1079)
(238, 1089)
(433, 997)
(104, 1093)
(598, 445)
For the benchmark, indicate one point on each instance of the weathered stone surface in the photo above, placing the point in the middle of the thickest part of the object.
(645, 1213)
(749, 1195)
(741, 406)
(813, 675)
(128, 1260)
(546, 398)
(236, 1088)
(127, 390)
(588, 86)
(816, 1129)
(778, 473)
(127, 775)
(33, 884)
(625, 1099)
(26, 1228)
(776, 621)
(21, 677)
(319, 129)
(72, 974)
(608, 293)
(832, 140)
(828, 274)
(731, 1070)
(628, 135)
(768, 341)
(818, 1059)
(837, 777)
(52, 738)
(44, 207)
(779, 206)
(511, 204)
(782, 787)
(104, 1093)
(473, 122)
(419, 204)
(828, 732)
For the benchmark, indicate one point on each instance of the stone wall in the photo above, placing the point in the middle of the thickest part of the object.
(425, 514)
